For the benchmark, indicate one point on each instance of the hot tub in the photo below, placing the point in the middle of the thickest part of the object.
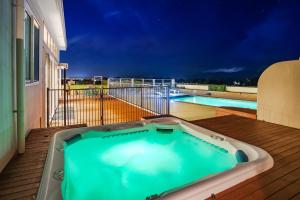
(164, 158)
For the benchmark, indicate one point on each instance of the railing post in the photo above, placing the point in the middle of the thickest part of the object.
(67, 108)
(168, 100)
(48, 122)
(142, 99)
(65, 105)
(102, 105)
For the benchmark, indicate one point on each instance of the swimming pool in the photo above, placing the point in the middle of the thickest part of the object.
(218, 102)
(155, 159)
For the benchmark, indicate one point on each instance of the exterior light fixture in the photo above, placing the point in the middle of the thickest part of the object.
(63, 66)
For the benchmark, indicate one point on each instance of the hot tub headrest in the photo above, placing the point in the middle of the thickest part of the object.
(73, 139)
(241, 156)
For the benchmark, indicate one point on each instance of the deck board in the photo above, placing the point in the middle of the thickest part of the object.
(21, 178)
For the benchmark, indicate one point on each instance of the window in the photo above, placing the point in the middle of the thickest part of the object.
(32, 49)
(27, 45)
(36, 53)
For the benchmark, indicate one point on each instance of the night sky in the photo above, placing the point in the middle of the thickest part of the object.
(188, 39)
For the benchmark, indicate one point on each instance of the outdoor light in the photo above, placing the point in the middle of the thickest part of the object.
(63, 66)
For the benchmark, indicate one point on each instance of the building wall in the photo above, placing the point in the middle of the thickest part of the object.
(11, 38)
(34, 106)
(7, 131)
(35, 93)
(278, 94)
(34, 97)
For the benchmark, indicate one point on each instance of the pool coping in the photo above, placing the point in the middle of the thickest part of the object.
(174, 100)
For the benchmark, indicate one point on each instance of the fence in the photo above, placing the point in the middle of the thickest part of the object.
(140, 82)
(99, 106)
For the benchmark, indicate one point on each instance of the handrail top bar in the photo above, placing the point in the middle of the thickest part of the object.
(109, 88)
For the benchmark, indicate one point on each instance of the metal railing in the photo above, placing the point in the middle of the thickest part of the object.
(100, 106)
(140, 82)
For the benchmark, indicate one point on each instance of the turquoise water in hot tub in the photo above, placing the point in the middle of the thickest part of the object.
(218, 102)
(136, 163)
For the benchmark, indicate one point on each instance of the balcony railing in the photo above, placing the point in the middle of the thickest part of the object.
(99, 106)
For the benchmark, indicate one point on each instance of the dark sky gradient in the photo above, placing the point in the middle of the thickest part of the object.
(179, 38)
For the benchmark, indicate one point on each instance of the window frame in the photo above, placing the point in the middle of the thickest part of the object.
(36, 25)
(33, 23)
(27, 62)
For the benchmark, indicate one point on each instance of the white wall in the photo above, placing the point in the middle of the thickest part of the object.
(279, 94)
(34, 105)
(193, 87)
(35, 93)
(251, 90)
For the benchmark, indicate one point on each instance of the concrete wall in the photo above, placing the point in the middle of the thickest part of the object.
(279, 94)
(7, 130)
(226, 95)
(250, 90)
(193, 87)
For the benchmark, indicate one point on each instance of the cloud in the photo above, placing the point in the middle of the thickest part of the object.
(225, 70)
(111, 14)
(76, 39)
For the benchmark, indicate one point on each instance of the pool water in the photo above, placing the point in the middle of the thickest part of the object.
(136, 163)
(218, 102)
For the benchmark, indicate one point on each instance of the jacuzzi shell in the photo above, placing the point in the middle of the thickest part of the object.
(259, 161)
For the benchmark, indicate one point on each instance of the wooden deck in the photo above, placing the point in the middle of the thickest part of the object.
(20, 179)
(283, 143)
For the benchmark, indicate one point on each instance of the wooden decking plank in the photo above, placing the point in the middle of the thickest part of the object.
(295, 197)
(30, 162)
(4, 182)
(28, 168)
(288, 192)
(276, 185)
(261, 181)
(17, 189)
(21, 183)
(30, 194)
